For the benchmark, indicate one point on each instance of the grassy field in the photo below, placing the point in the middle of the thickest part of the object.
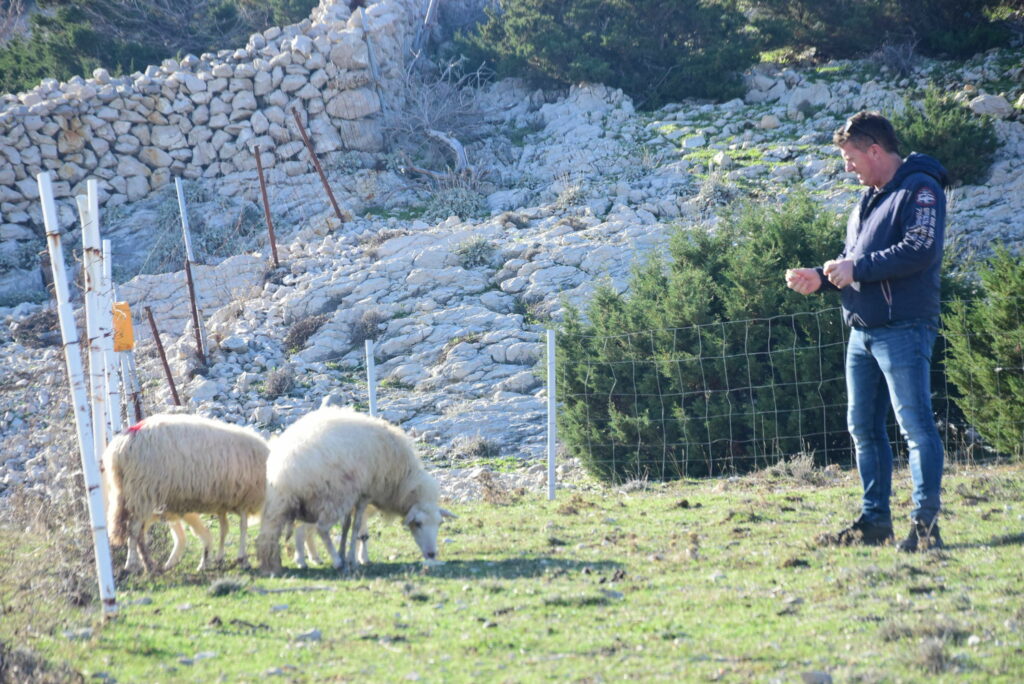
(690, 581)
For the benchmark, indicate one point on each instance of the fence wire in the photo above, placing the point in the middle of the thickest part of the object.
(724, 397)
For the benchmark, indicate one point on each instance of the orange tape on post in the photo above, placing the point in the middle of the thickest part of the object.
(124, 338)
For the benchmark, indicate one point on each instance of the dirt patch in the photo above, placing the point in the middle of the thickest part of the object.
(574, 505)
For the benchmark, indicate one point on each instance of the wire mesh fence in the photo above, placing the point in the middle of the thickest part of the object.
(724, 397)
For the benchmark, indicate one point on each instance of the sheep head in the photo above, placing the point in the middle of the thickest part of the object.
(268, 551)
(423, 521)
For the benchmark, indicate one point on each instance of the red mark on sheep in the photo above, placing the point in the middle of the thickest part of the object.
(135, 428)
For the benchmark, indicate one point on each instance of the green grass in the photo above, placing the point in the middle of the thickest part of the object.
(740, 158)
(392, 383)
(689, 581)
(402, 214)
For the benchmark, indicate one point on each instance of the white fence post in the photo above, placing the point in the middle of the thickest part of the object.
(112, 367)
(80, 399)
(551, 415)
(371, 377)
(92, 266)
(201, 338)
(183, 210)
(423, 32)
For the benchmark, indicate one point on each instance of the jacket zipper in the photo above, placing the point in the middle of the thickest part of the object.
(887, 294)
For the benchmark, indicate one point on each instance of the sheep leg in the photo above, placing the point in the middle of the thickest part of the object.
(323, 528)
(300, 545)
(357, 526)
(314, 554)
(346, 523)
(305, 544)
(178, 532)
(243, 522)
(136, 531)
(133, 562)
(362, 549)
(223, 518)
(203, 532)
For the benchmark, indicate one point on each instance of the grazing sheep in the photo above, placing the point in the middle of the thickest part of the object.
(331, 463)
(176, 465)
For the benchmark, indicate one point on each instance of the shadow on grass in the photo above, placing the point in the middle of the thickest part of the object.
(1002, 540)
(512, 568)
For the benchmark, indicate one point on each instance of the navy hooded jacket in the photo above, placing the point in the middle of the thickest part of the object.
(895, 238)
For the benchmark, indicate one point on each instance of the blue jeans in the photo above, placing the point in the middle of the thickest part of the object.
(890, 366)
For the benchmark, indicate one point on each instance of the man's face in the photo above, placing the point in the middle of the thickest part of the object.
(864, 163)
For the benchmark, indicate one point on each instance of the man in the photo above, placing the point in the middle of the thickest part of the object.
(888, 279)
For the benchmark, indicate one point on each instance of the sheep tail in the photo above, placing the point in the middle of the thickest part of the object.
(117, 512)
(117, 520)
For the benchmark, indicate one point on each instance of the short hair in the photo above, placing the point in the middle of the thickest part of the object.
(864, 129)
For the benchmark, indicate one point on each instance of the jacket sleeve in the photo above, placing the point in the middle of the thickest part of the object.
(825, 284)
(921, 226)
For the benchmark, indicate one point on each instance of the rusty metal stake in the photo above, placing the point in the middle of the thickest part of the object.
(266, 207)
(136, 391)
(316, 163)
(163, 356)
(195, 311)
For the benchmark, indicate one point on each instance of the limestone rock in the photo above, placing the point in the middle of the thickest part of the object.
(354, 104)
(991, 105)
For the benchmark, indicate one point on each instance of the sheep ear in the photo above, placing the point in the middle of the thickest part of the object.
(411, 515)
(445, 513)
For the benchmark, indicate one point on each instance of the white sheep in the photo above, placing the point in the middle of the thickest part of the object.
(176, 465)
(333, 462)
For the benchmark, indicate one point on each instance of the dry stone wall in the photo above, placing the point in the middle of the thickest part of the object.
(201, 117)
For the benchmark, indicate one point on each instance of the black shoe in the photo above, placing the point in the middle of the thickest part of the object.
(922, 537)
(860, 532)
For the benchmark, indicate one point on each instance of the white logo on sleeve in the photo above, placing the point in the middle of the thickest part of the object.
(925, 197)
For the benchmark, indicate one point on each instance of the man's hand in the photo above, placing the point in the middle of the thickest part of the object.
(803, 280)
(839, 273)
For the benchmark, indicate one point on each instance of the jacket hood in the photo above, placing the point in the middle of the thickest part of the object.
(921, 163)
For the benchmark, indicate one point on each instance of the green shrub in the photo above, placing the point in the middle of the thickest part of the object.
(710, 364)
(302, 330)
(368, 327)
(290, 11)
(853, 29)
(474, 252)
(954, 30)
(455, 196)
(950, 132)
(939, 28)
(653, 50)
(985, 339)
(280, 381)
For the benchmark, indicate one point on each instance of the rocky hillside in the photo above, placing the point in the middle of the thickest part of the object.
(458, 282)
